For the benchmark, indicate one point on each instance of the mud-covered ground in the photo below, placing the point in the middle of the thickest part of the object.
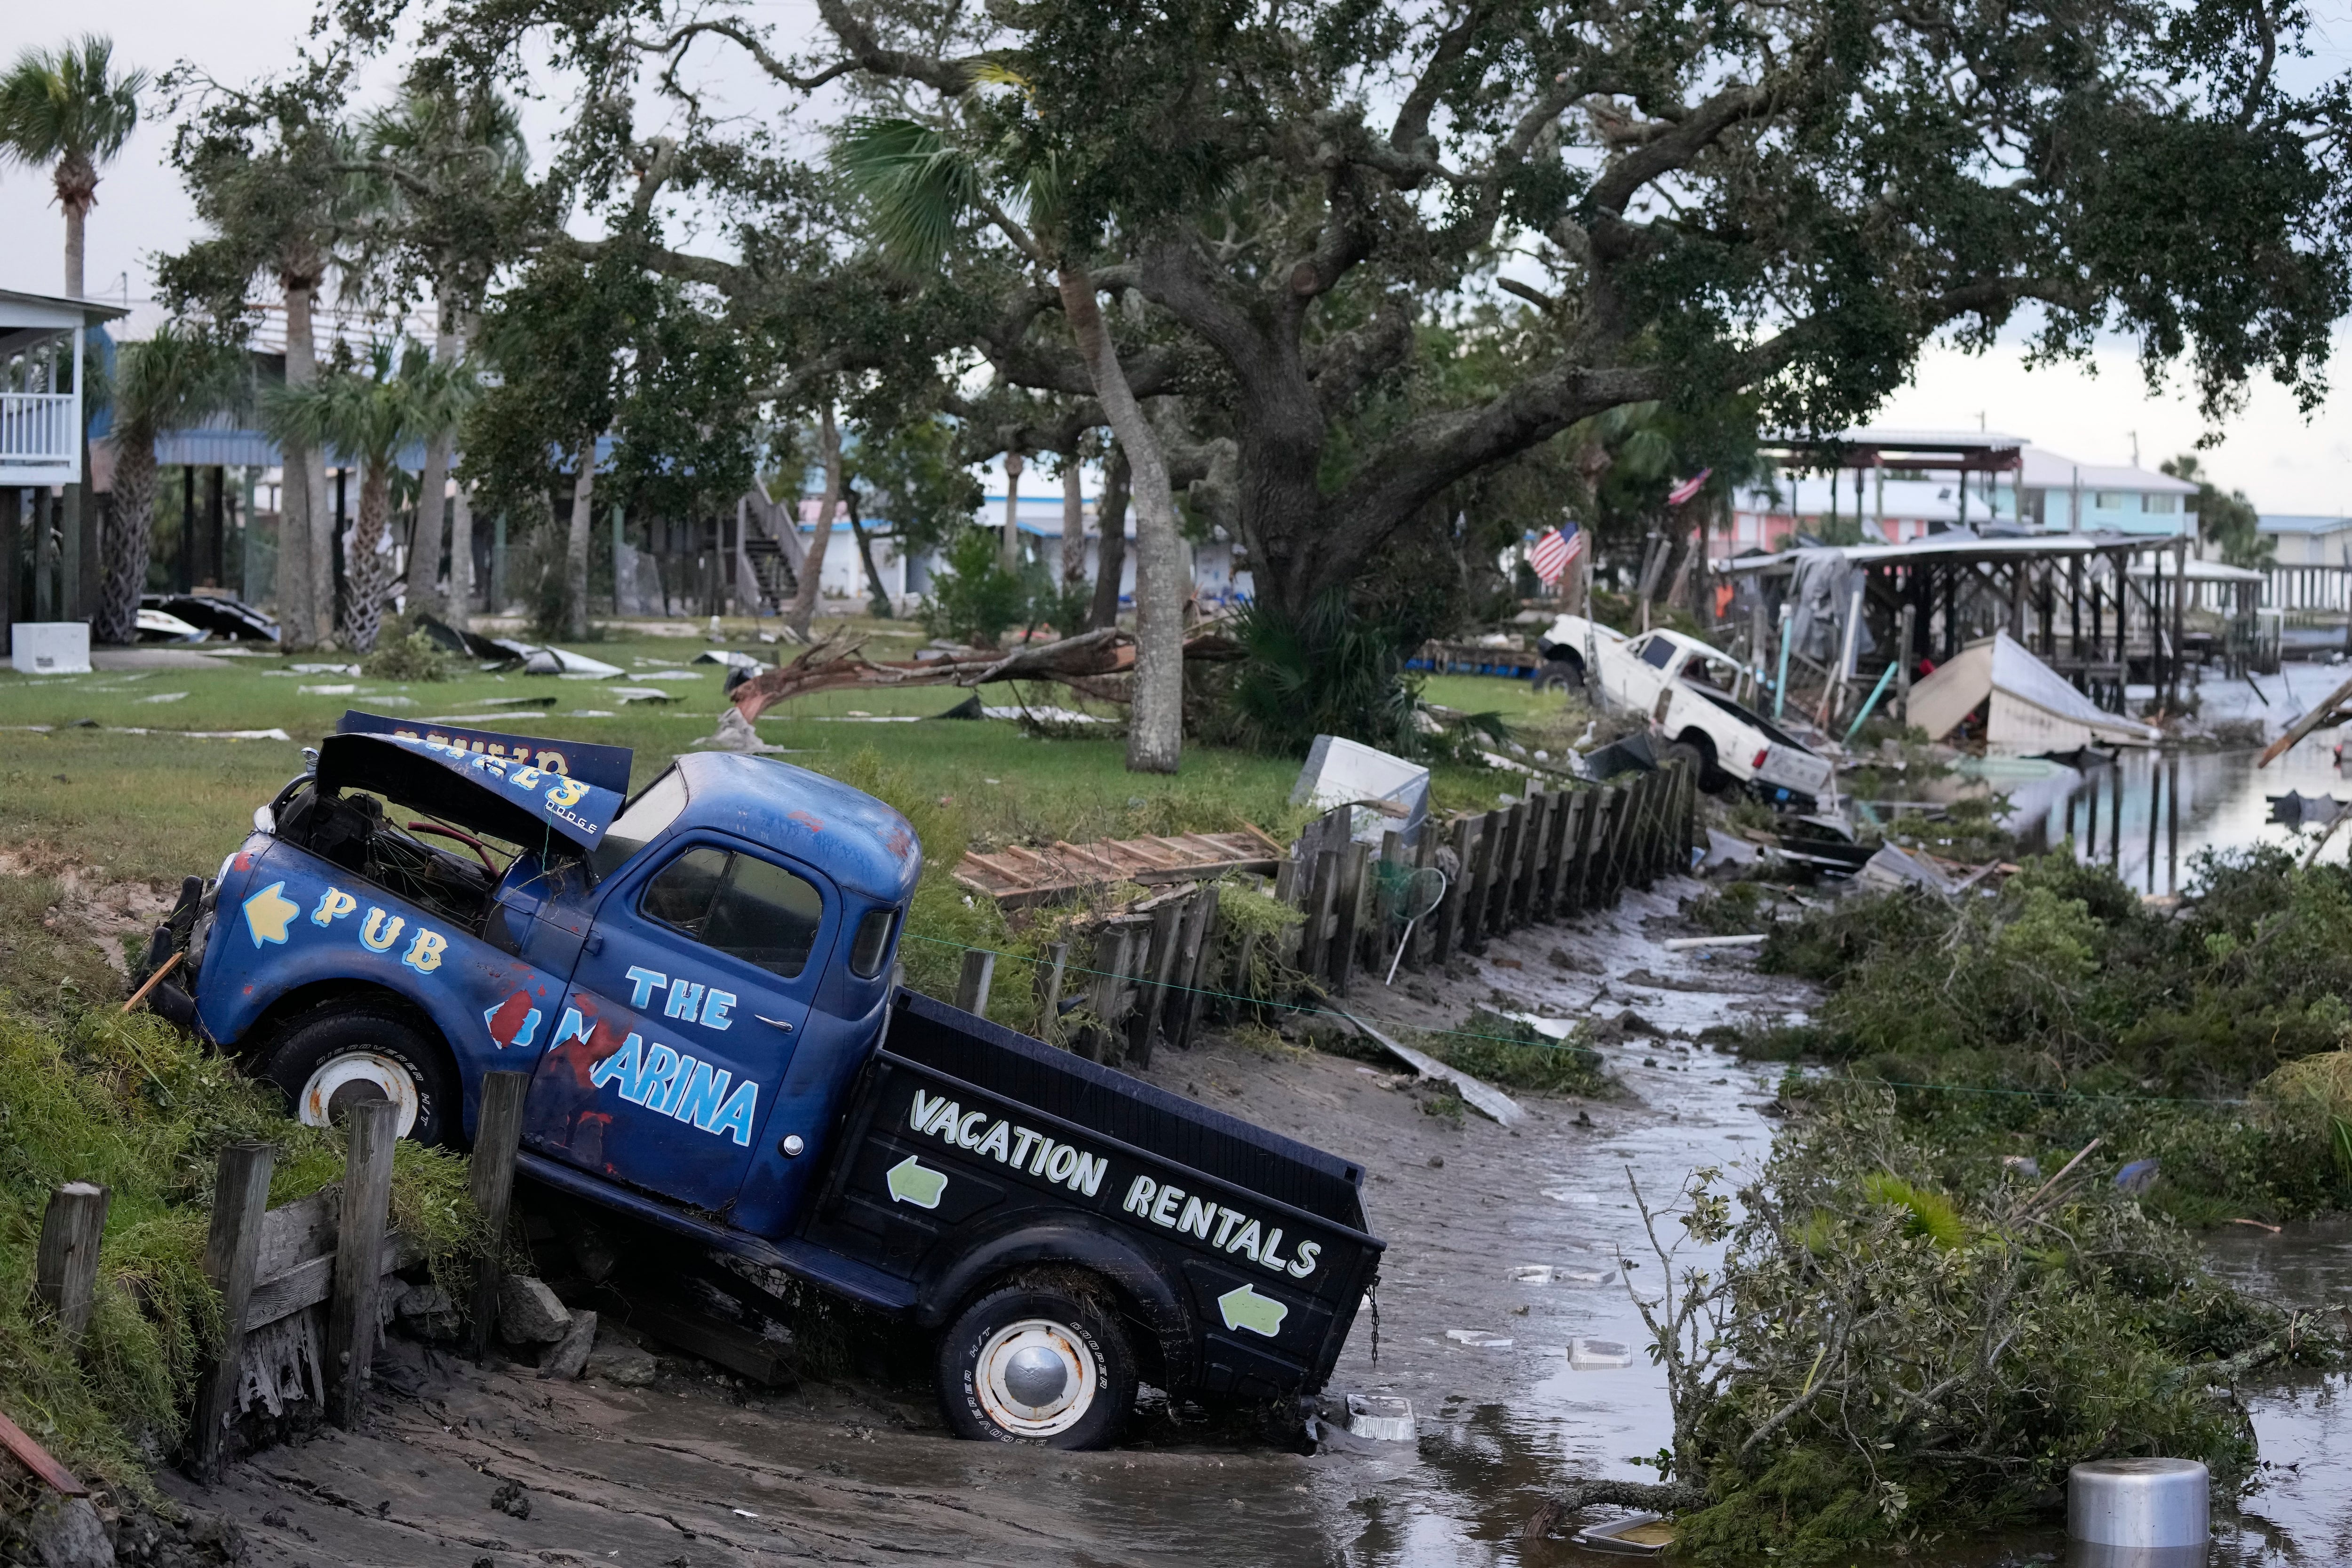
(697, 1469)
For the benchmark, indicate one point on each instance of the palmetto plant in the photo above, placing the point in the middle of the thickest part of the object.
(69, 110)
(168, 383)
(369, 413)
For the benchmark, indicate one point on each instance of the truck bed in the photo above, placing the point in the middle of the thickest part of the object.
(971, 1148)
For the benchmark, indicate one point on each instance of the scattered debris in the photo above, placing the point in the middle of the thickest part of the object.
(1482, 1097)
(1383, 1418)
(2330, 711)
(1586, 1354)
(345, 689)
(1893, 867)
(1015, 876)
(1387, 792)
(1478, 1338)
(2137, 1178)
(1532, 1274)
(2030, 708)
(156, 625)
(1635, 1535)
(2296, 810)
(165, 697)
(1685, 943)
(619, 1360)
(218, 615)
(511, 1500)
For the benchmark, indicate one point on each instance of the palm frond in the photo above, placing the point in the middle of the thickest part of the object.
(917, 188)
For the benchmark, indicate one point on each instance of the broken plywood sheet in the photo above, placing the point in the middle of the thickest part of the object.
(2030, 708)
(1017, 876)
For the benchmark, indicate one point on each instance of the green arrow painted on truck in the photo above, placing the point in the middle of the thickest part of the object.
(1245, 1308)
(912, 1182)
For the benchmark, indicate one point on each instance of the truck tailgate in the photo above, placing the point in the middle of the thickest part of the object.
(965, 1135)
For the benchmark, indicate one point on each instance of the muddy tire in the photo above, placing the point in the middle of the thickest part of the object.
(334, 1058)
(1561, 675)
(1698, 758)
(1037, 1364)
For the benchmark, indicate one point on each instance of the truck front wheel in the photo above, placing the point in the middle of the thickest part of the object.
(1038, 1364)
(332, 1059)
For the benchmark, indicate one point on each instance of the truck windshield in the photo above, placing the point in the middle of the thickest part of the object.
(640, 823)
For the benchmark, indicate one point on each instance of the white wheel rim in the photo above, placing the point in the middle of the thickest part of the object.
(358, 1069)
(1019, 1358)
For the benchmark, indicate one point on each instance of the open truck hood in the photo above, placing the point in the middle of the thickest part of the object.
(506, 798)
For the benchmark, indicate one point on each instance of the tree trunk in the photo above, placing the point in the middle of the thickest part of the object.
(878, 600)
(576, 548)
(368, 572)
(812, 583)
(461, 557)
(127, 550)
(1111, 529)
(432, 521)
(1009, 543)
(1155, 724)
(76, 216)
(1073, 525)
(297, 613)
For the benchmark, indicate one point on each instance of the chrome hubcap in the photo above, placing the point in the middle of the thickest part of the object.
(1036, 1378)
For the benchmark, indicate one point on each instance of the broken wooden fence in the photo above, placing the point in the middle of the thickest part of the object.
(1156, 969)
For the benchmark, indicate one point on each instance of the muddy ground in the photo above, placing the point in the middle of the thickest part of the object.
(699, 1468)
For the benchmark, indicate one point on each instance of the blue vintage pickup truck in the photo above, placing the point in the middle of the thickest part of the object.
(698, 979)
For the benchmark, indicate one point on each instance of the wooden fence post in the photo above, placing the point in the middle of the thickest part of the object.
(1322, 893)
(1049, 994)
(1481, 880)
(1495, 909)
(497, 1133)
(1354, 865)
(1110, 966)
(1166, 922)
(1545, 879)
(354, 1321)
(1531, 840)
(1425, 854)
(1457, 891)
(972, 985)
(1559, 895)
(240, 1197)
(1193, 962)
(65, 1276)
(1600, 848)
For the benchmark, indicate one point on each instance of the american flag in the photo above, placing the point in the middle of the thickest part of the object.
(1688, 489)
(1554, 550)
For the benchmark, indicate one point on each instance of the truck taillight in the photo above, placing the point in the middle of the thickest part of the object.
(1761, 753)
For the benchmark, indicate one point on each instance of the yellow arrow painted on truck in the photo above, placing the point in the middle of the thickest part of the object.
(268, 912)
(1245, 1308)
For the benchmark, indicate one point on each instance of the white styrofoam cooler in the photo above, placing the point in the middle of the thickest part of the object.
(49, 648)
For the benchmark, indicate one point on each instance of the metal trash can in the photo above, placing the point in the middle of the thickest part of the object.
(2140, 1505)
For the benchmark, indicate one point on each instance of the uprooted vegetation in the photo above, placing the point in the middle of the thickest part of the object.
(128, 1103)
(1905, 1342)
(2027, 1023)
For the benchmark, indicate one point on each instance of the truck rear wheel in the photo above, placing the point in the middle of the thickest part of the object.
(1565, 674)
(334, 1059)
(1037, 1364)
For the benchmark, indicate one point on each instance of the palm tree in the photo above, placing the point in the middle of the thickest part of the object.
(921, 189)
(167, 383)
(69, 108)
(368, 414)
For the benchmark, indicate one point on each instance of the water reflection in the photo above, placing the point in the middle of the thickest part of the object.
(2148, 813)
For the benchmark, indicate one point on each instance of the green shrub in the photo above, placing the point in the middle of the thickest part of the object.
(127, 1102)
(409, 655)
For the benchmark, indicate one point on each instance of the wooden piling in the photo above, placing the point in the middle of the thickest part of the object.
(498, 1135)
(353, 1317)
(65, 1273)
(1424, 856)
(1322, 893)
(240, 1198)
(1457, 891)
(1049, 993)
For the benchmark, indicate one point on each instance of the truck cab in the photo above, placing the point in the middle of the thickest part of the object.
(1684, 687)
(698, 981)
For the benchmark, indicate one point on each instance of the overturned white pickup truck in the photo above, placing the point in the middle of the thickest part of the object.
(1672, 677)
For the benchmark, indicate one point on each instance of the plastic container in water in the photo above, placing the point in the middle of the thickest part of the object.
(2140, 1505)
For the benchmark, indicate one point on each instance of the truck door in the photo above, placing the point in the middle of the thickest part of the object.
(1643, 675)
(690, 995)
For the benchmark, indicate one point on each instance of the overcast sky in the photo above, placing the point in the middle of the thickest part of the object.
(2091, 413)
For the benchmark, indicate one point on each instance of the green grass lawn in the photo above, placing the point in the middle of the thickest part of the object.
(157, 806)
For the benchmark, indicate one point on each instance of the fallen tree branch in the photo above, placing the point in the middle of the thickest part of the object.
(1093, 664)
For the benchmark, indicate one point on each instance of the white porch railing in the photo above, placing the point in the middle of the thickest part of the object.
(38, 427)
